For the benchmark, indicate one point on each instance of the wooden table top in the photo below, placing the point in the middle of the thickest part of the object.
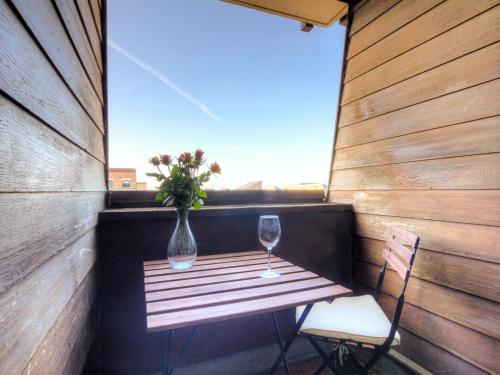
(226, 286)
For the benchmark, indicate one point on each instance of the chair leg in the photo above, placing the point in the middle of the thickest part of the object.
(371, 362)
(323, 355)
(325, 363)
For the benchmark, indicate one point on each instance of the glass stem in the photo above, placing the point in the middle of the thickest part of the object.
(269, 259)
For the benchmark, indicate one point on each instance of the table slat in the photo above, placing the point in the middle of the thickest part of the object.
(187, 284)
(213, 256)
(201, 267)
(255, 294)
(211, 261)
(227, 286)
(180, 275)
(158, 322)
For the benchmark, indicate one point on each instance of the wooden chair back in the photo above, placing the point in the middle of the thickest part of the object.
(400, 251)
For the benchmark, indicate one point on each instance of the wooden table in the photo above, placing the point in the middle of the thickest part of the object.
(226, 286)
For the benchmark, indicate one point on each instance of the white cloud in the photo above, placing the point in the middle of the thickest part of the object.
(165, 80)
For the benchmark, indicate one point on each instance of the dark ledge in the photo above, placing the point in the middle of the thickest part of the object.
(147, 213)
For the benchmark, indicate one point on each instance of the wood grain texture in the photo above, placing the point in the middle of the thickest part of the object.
(393, 19)
(204, 315)
(464, 240)
(475, 103)
(35, 158)
(64, 349)
(367, 14)
(53, 222)
(215, 280)
(250, 293)
(47, 289)
(454, 337)
(468, 172)
(471, 311)
(43, 21)
(96, 14)
(31, 80)
(87, 19)
(221, 261)
(476, 33)
(69, 15)
(449, 13)
(470, 138)
(437, 360)
(201, 290)
(216, 266)
(224, 257)
(167, 276)
(461, 206)
(472, 69)
(469, 275)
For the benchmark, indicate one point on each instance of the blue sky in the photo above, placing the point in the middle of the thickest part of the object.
(252, 90)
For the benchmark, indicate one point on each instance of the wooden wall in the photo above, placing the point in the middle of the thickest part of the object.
(52, 181)
(417, 145)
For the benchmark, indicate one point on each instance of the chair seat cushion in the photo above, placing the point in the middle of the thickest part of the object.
(358, 319)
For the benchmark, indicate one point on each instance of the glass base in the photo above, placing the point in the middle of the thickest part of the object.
(269, 274)
(182, 264)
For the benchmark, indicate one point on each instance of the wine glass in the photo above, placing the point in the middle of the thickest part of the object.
(269, 236)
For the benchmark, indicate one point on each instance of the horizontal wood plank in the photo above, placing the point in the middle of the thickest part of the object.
(253, 293)
(217, 266)
(461, 206)
(366, 14)
(96, 14)
(227, 286)
(472, 69)
(402, 251)
(464, 240)
(179, 275)
(210, 257)
(470, 138)
(476, 277)
(476, 33)
(85, 12)
(64, 349)
(423, 28)
(399, 15)
(42, 19)
(471, 311)
(396, 263)
(69, 15)
(46, 290)
(475, 103)
(32, 81)
(205, 315)
(221, 261)
(52, 220)
(215, 280)
(432, 357)
(448, 335)
(36, 158)
(468, 172)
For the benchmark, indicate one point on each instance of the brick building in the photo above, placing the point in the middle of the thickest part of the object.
(124, 179)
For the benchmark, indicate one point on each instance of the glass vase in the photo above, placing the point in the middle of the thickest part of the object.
(182, 249)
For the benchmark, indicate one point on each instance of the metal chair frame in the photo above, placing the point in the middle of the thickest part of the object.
(380, 350)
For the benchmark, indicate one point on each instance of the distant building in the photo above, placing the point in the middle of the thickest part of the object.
(124, 179)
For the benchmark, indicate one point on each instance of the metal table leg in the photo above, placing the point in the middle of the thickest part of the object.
(280, 343)
(166, 343)
(288, 344)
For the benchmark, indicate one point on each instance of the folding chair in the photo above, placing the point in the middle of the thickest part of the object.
(359, 320)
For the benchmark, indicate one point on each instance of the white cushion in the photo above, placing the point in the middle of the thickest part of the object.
(358, 319)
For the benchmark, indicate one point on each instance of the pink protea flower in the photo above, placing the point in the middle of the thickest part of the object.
(155, 160)
(215, 168)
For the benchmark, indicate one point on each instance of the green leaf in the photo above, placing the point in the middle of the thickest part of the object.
(202, 194)
(197, 204)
